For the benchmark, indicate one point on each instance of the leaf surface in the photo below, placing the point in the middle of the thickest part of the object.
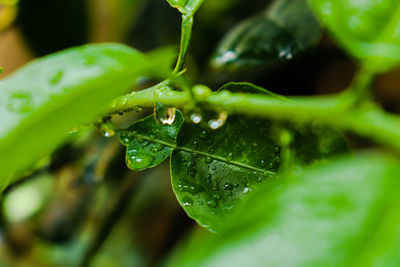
(212, 171)
(285, 30)
(369, 29)
(148, 142)
(44, 100)
(345, 213)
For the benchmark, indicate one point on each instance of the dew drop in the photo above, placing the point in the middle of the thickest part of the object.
(157, 148)
(192, 188)
(163, 114)
(228, 186)
(138, 162)
(219, 122)
(230, 156)
(212, 203)
(138, 108)
(108, 133)
(20, 102)
(208, 160)
(56, 78)
(203, 134)
(187, 201)
(246, 190)
(196, 118)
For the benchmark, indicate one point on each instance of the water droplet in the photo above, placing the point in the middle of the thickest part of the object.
(262, 163)
(230, 156)
(138, 108)
(208, 160)
(138, 162)
(192, 188)
(246, 190)
(108, 133)
(214, 168)
(187, 201)
(194, 144)
(219, 122)
(20, 102)
(157, 148)
(164, 114)
(56, 78)
(216, 196)
(124, 101)
(212, 203)
(286, 53)
(203, 134)
(228, 186)
(196, 118)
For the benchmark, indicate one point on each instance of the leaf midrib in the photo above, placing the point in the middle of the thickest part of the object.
(185, 149)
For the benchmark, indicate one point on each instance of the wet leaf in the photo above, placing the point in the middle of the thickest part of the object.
(44, 100)
(345, 213)
(214, 170)
(366, 29)
(148, 142)
(286, 29)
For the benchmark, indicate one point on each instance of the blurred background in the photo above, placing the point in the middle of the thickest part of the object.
(83, 206)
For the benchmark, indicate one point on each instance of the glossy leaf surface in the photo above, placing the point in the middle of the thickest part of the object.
(369, 29)
(44, 100)
(342, 214)
(284, 31)
(148, 142)
(214, 170)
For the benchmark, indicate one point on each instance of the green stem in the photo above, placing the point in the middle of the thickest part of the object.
(360, 89)
(187, 25)
(369, 122)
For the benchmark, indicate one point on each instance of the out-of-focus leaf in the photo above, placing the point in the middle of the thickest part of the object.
(342, 214)
(148, 142)
(214, 170)
(369, 29)
(40, 103)
(286, 29)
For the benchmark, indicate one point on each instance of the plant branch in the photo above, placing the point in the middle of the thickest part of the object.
(367, 121)
(187, 25)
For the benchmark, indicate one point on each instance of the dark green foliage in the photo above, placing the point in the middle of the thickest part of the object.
(148, 142)
(284, 31)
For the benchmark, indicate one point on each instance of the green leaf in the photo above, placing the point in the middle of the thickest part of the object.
(148, 142)
(284, 31)
(345, 213)
(369, 29)
(186, 7)
(44, 100)
(212, 171)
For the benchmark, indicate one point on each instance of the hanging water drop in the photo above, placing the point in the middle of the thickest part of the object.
(196, 118)
(108, 133)
(219, 122)
(163, 114)
(138, 108)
